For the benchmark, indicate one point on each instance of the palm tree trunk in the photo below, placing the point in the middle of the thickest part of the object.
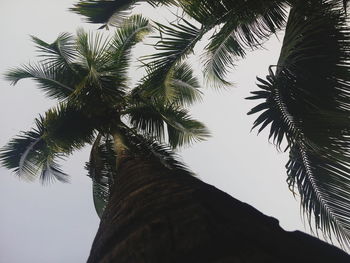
(160, 215)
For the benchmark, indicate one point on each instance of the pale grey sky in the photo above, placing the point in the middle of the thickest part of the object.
(57, 223)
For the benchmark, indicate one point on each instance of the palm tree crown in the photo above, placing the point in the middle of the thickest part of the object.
(88, 75)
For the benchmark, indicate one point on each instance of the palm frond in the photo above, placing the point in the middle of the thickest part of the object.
(166, 72)
(175, 42)
(307, 102)
(109, 12)
(147, 147)
(244, 26)
(106, 12)
(57, 134)
(126, 37)
(179, 86)
(182, 129)
(106, 62)
(68, 128)
(97, 81)
(60, 53)
(150, 119)
(147, 119)
(93, 53)
(29, 155)
(102, 171)
(184, 85)
(54, 82)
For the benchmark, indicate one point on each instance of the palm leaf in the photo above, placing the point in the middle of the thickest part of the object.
(57, 134)
(106, 62)
(175, 42)
(109, 12)
(54, 82)
(68, 128)
(245, 26)
(29, 155)
(307, 102)
(149, 148)
(60, 53)
(149, 119)
(182, 129)
(126, 37)
(167, 76)
(102, 170)
(179, 86)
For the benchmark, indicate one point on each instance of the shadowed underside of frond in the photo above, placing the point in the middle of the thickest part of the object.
(307, 102)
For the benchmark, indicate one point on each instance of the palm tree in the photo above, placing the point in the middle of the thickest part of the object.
(88, 75)
(157, 211)
(306, 94)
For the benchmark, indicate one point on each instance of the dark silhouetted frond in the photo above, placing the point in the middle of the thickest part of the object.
(307, 101)
(102, 170)
(109, 12)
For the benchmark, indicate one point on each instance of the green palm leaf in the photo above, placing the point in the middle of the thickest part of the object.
(29, 155)
(179, 86)
(147, 119)
(56, 83)
(307, 102)
(167, 75)
(126, 37)
(60, 53)
(245, 26)
(57, 134)
(182, 130)
(106, 62)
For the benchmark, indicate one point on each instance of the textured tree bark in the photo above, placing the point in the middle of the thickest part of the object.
(160, 215)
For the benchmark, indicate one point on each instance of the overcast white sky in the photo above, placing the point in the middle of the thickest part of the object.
(57, 223)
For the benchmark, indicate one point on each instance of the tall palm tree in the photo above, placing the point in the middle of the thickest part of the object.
(88, 75)
(306, 94)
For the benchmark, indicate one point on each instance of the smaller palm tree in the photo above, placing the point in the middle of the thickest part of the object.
(88, 75)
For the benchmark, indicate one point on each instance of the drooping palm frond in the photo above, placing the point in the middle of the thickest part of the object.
(175, 42)
(102, 170)
(182, 129)
(144, 146)
(245, 25)
(35, 153)
(183, 86)
(307, 102)
(109, 12)
(167, 75)
(147, 119)
(151, 120)
(54, 82)
(29, 155)
(179, 86)
(68, 128)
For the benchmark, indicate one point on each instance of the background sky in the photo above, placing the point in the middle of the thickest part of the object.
(57, 223)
